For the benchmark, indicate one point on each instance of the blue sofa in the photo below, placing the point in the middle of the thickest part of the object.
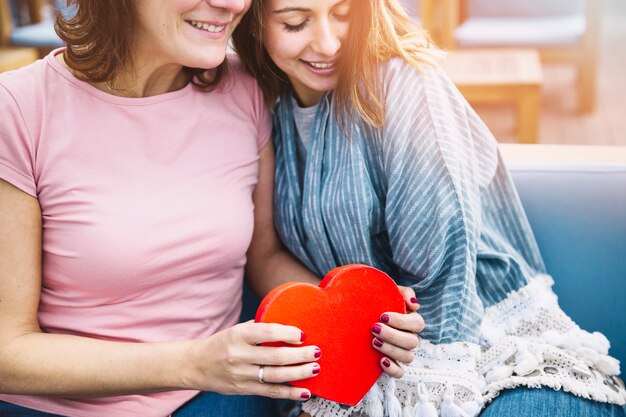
(575, 199)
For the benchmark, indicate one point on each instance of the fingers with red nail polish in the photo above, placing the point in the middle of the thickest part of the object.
(391, 368)
(410, 300)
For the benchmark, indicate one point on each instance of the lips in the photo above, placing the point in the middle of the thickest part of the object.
(321, 65)
(207, 26)
(321, 68)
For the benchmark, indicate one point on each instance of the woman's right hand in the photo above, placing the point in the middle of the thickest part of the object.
(228, 362)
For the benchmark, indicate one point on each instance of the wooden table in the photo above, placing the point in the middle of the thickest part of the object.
(501, 76)
(15, 57)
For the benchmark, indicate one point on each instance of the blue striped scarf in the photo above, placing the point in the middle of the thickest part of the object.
(425, 199)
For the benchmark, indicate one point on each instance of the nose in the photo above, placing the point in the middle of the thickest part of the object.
(327, 40)
(233, 6)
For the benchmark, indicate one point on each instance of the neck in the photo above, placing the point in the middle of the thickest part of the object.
(306, 97)
(152, 74)
(148, 80)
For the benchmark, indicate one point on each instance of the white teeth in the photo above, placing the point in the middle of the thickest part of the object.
(321, 65)
(207, 27)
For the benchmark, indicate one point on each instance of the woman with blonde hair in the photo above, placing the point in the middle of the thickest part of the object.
(380, 160)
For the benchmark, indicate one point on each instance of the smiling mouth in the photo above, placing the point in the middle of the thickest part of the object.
(208, 27)
(320, 65)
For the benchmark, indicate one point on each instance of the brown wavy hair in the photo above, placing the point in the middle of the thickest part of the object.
(379, 30)
(99, 40)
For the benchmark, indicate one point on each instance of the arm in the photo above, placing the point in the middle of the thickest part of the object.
(37, 363)
(435, 168)
(28, 357)
(270, 264)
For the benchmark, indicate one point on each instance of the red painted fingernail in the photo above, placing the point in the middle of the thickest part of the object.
(384, 318)
(316, 369)
(302, 336)
(318, 353)
(305, 395)
(378, 342)
(386, 363)
(376, 328)
(414, 300)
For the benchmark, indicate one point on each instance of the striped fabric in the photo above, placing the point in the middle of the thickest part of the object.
(425, 199)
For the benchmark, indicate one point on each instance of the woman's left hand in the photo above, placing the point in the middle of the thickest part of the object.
(395, 334)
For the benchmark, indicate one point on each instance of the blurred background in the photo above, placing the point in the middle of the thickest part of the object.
(537, 71)
(582, 50)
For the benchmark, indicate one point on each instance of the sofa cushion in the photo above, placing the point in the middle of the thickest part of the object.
(577, 214)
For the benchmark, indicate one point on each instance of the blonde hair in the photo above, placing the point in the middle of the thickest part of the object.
(379, 30)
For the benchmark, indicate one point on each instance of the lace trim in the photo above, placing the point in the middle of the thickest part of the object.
(526, 340)
(441, 377)
(529, 341)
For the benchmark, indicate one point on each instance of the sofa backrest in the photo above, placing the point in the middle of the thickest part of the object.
(576, 210)
(517, 8)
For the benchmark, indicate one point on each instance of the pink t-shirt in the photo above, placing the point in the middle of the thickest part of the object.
(147, 210)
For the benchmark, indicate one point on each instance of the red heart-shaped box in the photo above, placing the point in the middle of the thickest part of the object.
(337, 316)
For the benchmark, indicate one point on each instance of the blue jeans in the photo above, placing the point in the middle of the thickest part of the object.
(520, 402)
(545, 402)
(205, 404)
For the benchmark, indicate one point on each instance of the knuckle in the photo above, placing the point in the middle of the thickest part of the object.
(269, 332)
(420, 325)
(237, 387)
(239, 330)
(274, 331)
(273, 391)
(408, 357)
(393, 339)
(230, 356)
(275, 356)
(269, 374)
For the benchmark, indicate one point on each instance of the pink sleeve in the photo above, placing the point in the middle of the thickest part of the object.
(264, 119)
(260, 111)
(16, 151)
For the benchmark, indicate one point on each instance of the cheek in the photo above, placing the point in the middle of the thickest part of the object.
(246, 6)
(282, 48)
(343, 32)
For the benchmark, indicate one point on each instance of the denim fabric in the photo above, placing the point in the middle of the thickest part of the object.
(520, 402)
(210, 404)
(206, 404)
(12, 410)
(545, 402)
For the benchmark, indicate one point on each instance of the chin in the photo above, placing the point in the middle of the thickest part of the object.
(321, 89)
(207, 64)
(209, 60)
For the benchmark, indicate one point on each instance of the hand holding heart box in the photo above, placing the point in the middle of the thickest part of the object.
(337, 316)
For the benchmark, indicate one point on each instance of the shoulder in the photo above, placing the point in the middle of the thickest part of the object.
(238, 74)
(24, 84)
(401, 78)
(425, 110)
(238, 85)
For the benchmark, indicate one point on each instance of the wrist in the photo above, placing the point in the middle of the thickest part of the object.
(185, 367)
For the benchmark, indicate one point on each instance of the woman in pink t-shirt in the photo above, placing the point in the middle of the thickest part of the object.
(131, 179)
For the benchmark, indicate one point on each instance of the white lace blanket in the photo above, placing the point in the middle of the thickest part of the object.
(527, 340)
